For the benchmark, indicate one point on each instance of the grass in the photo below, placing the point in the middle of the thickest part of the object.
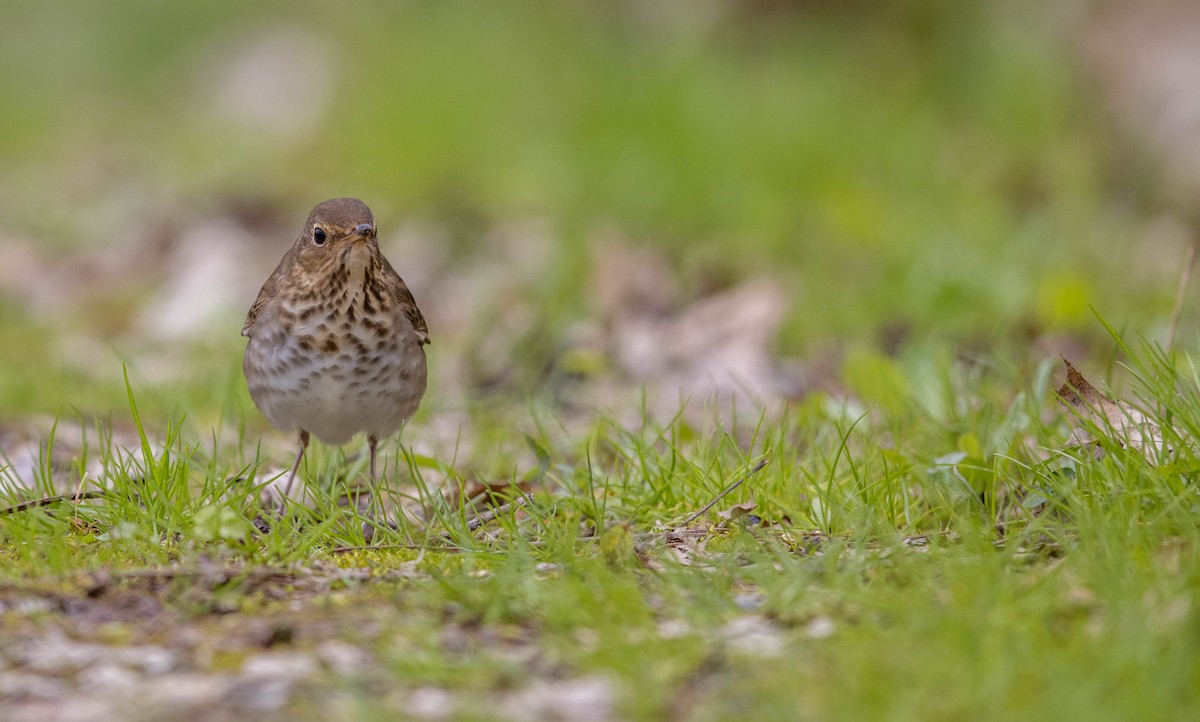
(871, 582)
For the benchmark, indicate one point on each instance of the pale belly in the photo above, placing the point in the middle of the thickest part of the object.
(336, 394)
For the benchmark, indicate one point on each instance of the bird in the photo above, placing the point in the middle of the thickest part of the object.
(336, 341)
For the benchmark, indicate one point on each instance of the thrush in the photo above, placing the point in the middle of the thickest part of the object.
(336, 339)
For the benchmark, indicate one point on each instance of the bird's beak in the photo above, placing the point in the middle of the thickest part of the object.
(363, 229)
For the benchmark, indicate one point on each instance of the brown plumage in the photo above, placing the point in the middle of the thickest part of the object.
(336, 339)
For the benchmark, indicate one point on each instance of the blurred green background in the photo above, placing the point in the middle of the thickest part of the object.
(910, 173)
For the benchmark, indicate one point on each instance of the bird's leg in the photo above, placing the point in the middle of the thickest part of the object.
(287, 485)
(372, 447)
(367, 527)
(372, 443)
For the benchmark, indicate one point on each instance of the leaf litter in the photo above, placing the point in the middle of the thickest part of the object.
(269, 663)
(1093, 413)
(185, 642)
(267, 670)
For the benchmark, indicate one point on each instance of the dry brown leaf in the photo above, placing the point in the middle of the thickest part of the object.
(689, 549)
(717, 346)
(737, 511)
(1124, 424)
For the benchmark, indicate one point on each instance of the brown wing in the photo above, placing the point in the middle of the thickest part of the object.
(408, 304)
(265, 294)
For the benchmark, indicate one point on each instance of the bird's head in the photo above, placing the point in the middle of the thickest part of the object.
(339, 233)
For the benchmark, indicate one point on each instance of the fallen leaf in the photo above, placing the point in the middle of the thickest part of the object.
(689, 549)
(715, 346)
(1121, 422)
(737, 511)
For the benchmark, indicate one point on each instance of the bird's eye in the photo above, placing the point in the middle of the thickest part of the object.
(319, 236)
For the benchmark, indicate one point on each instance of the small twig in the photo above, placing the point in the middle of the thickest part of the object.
(219, 574)
(34, 503)
(1185, 276)
(757, 468)
(492, 514)
(396, 547)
